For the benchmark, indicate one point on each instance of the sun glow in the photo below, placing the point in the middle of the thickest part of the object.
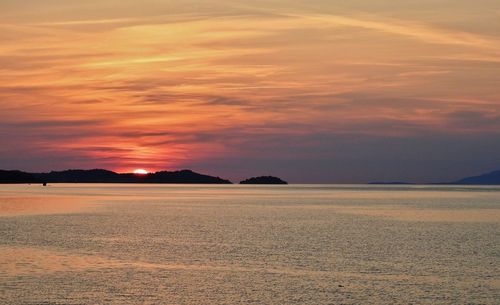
(141, 171)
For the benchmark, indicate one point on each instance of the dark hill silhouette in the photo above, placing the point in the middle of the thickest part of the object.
(105, 176)
(80, 176)
(492, 178)
(264, 180)
(183, 176)
(8, 177)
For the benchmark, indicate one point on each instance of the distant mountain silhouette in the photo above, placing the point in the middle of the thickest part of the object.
(492, 178)
(105, 176)
(264, 180)
(7, 177)
(80, 176)
(181, 177)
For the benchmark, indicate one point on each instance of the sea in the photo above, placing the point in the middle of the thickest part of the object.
(232, 244)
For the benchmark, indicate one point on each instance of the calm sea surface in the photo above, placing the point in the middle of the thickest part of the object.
(297, 244)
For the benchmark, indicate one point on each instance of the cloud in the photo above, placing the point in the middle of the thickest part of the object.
(52, 123)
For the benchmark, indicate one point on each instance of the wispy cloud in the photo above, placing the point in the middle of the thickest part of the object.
(415, 30)
(85, 22)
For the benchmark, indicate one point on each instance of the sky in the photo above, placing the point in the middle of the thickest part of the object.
(313, 91)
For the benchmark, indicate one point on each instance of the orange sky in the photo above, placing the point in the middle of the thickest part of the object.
(238, 89)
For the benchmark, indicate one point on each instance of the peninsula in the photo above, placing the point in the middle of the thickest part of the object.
(106, 176)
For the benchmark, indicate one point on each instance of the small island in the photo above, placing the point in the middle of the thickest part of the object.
(264, 180)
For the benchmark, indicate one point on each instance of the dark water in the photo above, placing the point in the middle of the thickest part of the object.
(326, 244)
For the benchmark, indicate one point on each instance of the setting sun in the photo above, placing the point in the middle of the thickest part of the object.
(141, 171)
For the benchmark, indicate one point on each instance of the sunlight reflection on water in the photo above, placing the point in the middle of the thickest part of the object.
(152, 244)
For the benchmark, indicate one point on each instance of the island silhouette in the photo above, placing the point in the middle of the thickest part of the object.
(264, 180)
(106, 176)
(185, 176)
